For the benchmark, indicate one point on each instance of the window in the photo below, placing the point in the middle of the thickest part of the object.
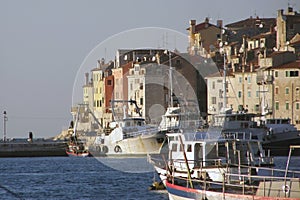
(276, 90)
(249, 79)
(213, 85)
(213, 100)
(297, 105)
(276, 105)
(291, 73)
(180, 147)
(174, 147)
(257, 93)
(256, 108)
(287, 105)
(287, 90)
(240, 79)
(109, 82)
(220, 93)
(141, 101)
(189, 148)
(294, 73)
(276, 73)
(240, 94)
(249, 93)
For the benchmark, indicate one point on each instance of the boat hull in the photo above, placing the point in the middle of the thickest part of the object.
(73, 154)
(182, 193)
(137, 146)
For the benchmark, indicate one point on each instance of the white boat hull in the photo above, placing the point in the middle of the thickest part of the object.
(136, 146)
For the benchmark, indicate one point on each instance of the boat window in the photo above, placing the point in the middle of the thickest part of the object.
(180, 147)
(189, 148)
(127, 124)
(174, 147)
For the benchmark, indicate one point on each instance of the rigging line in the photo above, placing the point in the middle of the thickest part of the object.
(233, 91)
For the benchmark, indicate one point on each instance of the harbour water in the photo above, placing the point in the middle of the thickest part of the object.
(73, 178)
(83, 178)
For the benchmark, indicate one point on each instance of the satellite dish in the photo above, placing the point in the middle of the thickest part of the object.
(125, 57)
(220, 44)
(262, 45)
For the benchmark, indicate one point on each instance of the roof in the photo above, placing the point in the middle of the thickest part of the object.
(219, 74)
(291, 65)
(263, 35)
(203, 26)
(251, 22)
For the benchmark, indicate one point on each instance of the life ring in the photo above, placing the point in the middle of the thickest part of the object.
(105, 149)
(98, 148)
(118, 149)
(286, 189)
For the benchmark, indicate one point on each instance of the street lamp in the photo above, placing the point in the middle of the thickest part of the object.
(4, 126)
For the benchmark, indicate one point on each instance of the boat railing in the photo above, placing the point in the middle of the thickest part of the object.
(181, 163)
(237, 135)
(269, 170)
(145, 131)
(245, 184)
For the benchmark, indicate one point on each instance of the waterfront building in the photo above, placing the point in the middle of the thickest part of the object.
(287, 26)
(204, 38)
(146, 86)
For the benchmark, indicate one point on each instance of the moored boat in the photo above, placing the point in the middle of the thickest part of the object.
(279, 185)
(200, 154)
(129, 136)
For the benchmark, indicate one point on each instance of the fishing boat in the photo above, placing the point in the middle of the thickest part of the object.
(279, 185)
(280, 135)
(208, 155)
(129, 136)
(75, 146)
(76, 151)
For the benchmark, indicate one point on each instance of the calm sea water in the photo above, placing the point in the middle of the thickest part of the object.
(83, 178)
(74, 178)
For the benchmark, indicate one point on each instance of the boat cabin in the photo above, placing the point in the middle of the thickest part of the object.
(232, 148)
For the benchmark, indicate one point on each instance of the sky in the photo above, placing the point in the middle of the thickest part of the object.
(43, 44)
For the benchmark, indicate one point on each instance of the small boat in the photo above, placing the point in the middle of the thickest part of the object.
(77, 150)
(75, 146)
(279, 185)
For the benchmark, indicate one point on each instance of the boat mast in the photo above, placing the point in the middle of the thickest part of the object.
(170, 79)
(222, 49)
(224, 82)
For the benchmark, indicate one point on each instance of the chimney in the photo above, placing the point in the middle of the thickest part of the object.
(86, 78)
(219, 23)
(290, 10)
(206, 22)
(98, 64)
(192, 26)
(280, 12)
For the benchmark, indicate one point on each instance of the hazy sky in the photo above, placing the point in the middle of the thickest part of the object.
(43, 44)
